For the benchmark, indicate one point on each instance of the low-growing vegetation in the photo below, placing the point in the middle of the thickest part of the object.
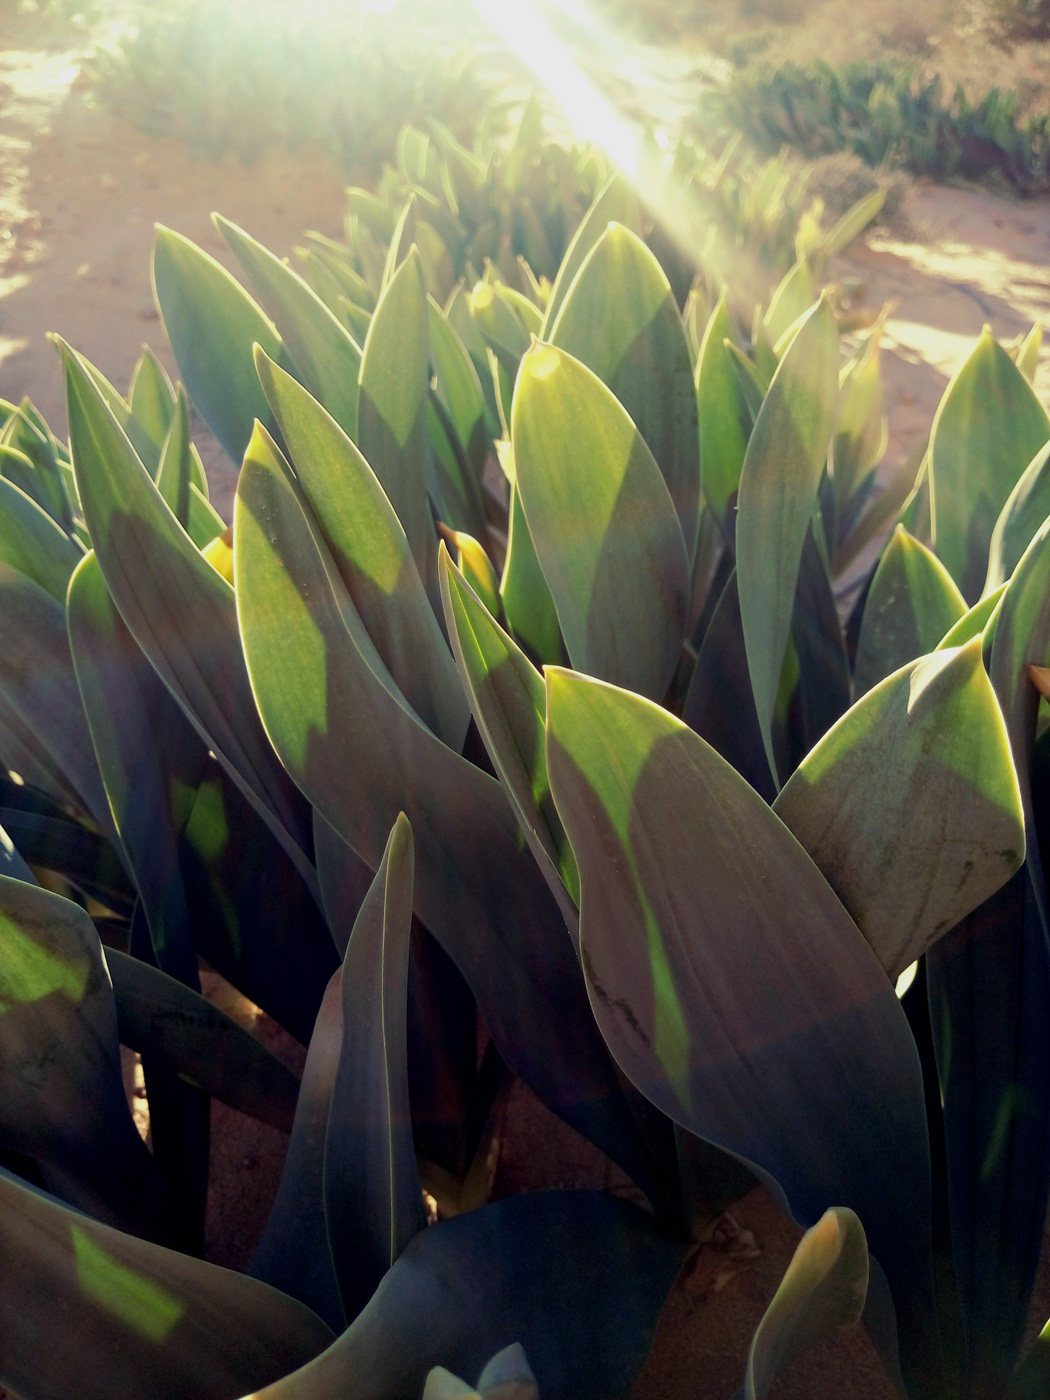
(511, 729)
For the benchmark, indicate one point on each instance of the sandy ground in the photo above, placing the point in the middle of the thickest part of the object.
(79, 194)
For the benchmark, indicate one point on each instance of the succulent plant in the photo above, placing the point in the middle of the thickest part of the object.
(613, 797)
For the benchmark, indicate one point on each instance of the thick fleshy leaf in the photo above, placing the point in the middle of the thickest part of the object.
(293, 1253)
(911, 604)
(509, 700)
(686, 878)
(38, 684)
(993, 1068)
(151, 397)
(1031, 1380)
(177, 607)
(792, 298)
(821, 1294)
(987, 429)
(373, 1200)
(973, 622)
(527, 600)
(724, 419)
(361, 755)
(578, 1276)
(61, 1095)
(392, 408)
(497, 316)
(615, 203)
(254, 917)
(91, 1312)
(910, 805)
(344, 879)
(1027, 506)
(32, 543)
(621, 320)
(149, 755)
(178, 1029)
(603, 523)
(173, 470)
(371, 553)
(785, 457)
(325, 355)
(212, 324)
(458, 387)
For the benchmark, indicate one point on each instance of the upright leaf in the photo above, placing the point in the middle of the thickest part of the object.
(373, 1202)
(212, 324)
(326, 356)
(724, 418)
(910, 807)
(604, 526)
(685, 876)
(392, 408)
(778, 483)
(987, 429)
(911, 604)
(1027, 506)
(617, 203)
(621, 320)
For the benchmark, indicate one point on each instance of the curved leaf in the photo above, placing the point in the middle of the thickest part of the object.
(371, 553)
(361, 755)
(178, 608)
(911, 604)
(617, 203)
(212, 324)
(778, 484)
(988, 427)
(61, 1095)
(821, 1294)
(604, 526)
(91, 1312)
(32, 543)
(724, 418)
(910, 807)
(687, 878)
(373, 1200)
(578, 1276)
(325, 355)
(621, 320)
(1027, 506)
(392, 408)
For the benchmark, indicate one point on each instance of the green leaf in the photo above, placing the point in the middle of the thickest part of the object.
(1027, 506)
(326, 356)
(293, 1253)
(500, 324)
(617, 203)
(605, 529)
(621, 320)
(724, 418)
(38, 688)
(61, 1096)
(793, 297)
(821, 1294)
(212, 324)
(1031, 1380)
(34, 544)
(91, 1312)
(578, 1276)
(149, 755)
(178, 608)
(526, 598)
(910, 807)
(987, 429)
(509, 700)
(360, 754)
(371, 553)
(182, 1032)
(911, 604)
(373, 1200)
(151, 397)
(778, 483)
(458, 387)
(973, 622)
(686, 876)
(392, 409)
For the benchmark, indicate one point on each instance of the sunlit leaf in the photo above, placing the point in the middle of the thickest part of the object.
(778, 482)
(604, 526)
(725, 421)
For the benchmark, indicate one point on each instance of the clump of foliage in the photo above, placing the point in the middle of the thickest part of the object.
(888, 113)
(513, 712)
(228, 75)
